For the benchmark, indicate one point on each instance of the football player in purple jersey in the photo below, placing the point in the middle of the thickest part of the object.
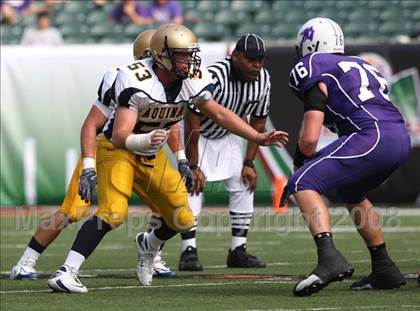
(349, 96)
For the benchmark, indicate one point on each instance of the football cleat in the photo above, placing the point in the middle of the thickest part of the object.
(386, 276)
(145, 259)
(160, 269)
(336, 270)
(65, 280)
(24, 270)
(189, 260)
(239, 258)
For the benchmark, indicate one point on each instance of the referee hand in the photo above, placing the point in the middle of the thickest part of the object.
(273, 137)
(249, 176)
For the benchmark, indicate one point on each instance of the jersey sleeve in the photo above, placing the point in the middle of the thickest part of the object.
(104, 101)
(126, 93)
(262, 109)
(305, 74)
(200, 87)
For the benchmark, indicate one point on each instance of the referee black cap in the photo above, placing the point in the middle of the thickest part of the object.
(252, 45)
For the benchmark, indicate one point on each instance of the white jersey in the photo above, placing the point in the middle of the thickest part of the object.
(137, 87)
(104, 101)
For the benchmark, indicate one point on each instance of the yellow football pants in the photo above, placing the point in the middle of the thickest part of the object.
(73, 206)
(159, 184)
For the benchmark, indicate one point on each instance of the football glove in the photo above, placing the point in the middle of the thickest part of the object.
(184, 170)
(87, 184)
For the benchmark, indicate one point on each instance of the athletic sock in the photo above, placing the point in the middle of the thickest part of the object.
(325, 246)
(74, 260)
(32, 253)
(87, 239)
(154, 241)
(240, 224)
(188, 239)
(160, 235)
(239, 237)
(379, 255)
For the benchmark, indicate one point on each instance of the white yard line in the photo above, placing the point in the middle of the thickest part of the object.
(25, 291)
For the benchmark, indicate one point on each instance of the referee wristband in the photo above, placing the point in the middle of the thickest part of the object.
(88, 163)
(193, 167)
(249, 163)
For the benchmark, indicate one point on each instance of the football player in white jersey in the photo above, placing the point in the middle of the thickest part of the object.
(78, 197)
(151, 95)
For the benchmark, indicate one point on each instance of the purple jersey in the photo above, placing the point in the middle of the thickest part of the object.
(357, 92)
(373, 139)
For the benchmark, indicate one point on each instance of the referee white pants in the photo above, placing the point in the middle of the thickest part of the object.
(222, 159)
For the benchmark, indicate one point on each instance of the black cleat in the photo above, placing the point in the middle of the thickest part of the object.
(189, 260)
(239, 258)
(334, 270)
(386, 276)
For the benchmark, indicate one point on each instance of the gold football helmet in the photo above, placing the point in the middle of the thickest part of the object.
(141, 46)
(169, 39)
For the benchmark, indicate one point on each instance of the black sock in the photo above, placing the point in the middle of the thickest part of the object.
(164, 233)
(379, 254)
(188, 235)
(90, 235)
(325, 245)
(34, 244)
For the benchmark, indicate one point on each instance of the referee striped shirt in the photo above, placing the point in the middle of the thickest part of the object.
(242, 97)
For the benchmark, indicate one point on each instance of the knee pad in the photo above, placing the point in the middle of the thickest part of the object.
(183, 219)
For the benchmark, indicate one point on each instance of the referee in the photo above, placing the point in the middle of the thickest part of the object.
(242, 85)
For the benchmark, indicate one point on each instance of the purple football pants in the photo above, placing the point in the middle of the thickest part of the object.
(356, 163)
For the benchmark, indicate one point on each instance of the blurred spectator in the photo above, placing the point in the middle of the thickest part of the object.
(130, 11)
(10, 9)
(43, 34)
(99, 3)
(165, 11)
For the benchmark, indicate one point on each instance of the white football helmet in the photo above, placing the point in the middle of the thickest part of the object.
(319, 34)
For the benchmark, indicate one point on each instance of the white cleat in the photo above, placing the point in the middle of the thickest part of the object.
(24, 270)
(65, 280)
(145, 257)
(160, 269)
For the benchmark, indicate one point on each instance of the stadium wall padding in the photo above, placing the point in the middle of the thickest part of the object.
(47, 92)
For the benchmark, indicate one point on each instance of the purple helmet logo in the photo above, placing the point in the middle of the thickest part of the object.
(308, 34)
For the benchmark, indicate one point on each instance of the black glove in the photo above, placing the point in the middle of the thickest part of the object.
(87, 184)
(184, 170)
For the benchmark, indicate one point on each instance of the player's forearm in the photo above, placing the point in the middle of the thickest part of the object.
(192, 136)
(93, 122)
(258, 124)
(174, 139)
(229, 120)
(311, 131)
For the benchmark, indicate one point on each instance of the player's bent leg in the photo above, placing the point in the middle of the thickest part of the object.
(385, 274)
(72, 209)
(115, 177)
(332, 265)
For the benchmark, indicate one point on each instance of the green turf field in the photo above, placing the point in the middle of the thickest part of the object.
(281, 241)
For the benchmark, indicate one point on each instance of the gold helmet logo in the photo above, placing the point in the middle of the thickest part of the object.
(141, 46)
(169, 39)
